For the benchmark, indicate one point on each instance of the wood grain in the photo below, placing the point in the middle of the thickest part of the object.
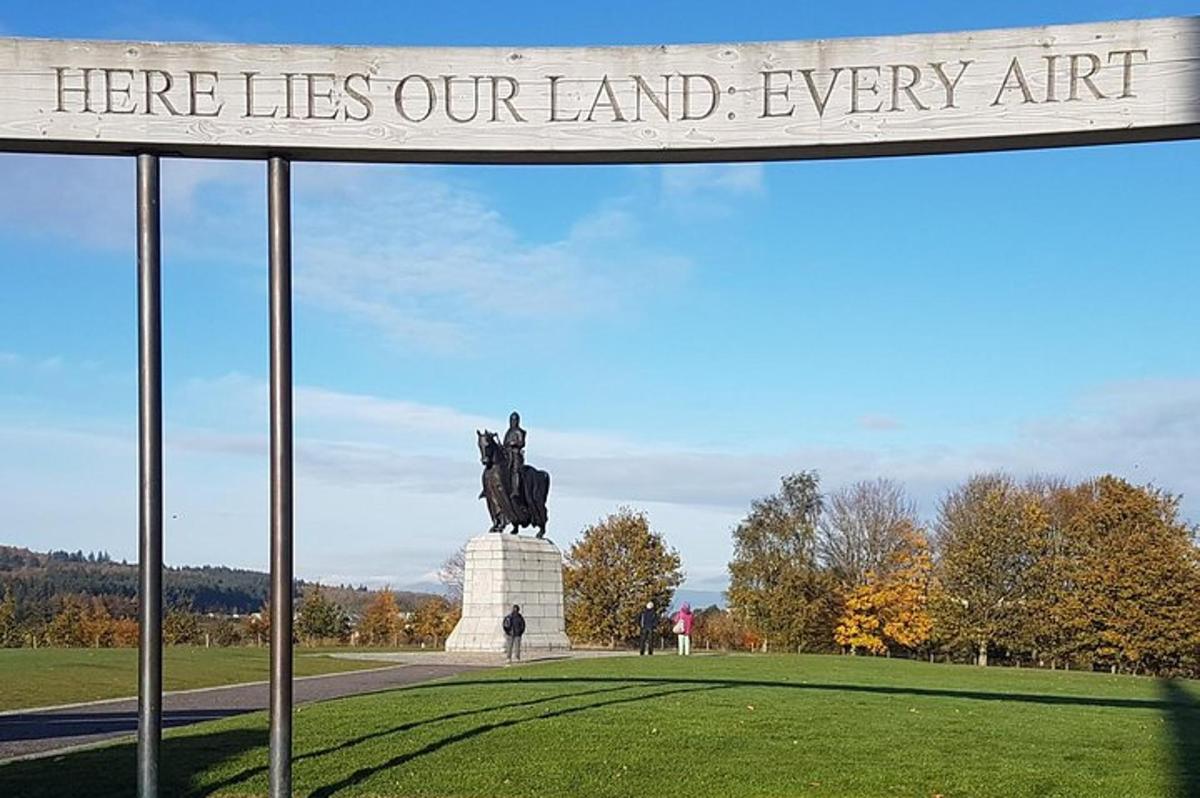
(1026, 87)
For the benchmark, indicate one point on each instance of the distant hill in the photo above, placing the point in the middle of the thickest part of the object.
(38, 579)
(699, 599)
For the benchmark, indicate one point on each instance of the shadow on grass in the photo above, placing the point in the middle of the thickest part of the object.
(403, 727)
(1183, 718)
(111, 772)
(362, 774)
(59, 725)
(930, 692)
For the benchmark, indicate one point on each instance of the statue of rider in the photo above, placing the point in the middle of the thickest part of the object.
(514, 442)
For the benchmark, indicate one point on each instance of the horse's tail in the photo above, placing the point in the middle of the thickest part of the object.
(539, 490)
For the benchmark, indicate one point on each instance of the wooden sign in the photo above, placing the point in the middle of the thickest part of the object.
(1027, 87)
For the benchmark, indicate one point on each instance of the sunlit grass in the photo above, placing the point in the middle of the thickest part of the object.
(51, 676)
(704, 726)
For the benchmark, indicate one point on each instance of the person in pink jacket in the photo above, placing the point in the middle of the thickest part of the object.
(683, 629)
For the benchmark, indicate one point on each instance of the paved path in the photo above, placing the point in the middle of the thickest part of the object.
(38, 732)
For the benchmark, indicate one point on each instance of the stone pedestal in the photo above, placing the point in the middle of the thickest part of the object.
(503, 570)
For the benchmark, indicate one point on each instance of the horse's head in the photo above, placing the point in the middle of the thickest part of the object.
(485, 454)
(489, 447)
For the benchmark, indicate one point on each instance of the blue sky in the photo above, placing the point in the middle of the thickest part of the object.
(676, 338)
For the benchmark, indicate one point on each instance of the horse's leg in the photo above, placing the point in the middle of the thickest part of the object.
(495, 509)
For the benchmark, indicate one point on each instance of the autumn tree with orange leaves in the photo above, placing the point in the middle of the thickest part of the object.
(890, 611)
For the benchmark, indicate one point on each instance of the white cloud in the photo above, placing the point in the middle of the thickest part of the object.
(427, 260)
(83, 199)
(91, 200)
(386, 489)
(710, 191)
(1144, 431)
(693, 181)
(404, 251)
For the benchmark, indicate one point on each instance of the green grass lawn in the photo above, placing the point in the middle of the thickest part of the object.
(48, 676)
(705, 726)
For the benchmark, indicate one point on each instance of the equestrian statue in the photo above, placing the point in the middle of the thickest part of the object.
(516, 493)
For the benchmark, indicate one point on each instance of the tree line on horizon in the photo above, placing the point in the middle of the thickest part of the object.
(387, 619)
(77, 599)
(1095, 574)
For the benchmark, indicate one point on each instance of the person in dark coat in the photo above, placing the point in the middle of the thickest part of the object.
(648, 620)
(514, 627)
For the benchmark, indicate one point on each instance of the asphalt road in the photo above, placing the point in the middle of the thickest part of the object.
(38, 732)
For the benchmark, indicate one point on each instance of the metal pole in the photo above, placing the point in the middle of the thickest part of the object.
(150, 479)
(279, 222)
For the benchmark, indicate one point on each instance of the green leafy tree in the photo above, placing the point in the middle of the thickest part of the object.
(320, 619)
(616, 567)
(1047, 632)
(775, 582)
(992, 539)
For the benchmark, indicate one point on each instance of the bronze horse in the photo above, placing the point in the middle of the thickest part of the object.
(528, 508)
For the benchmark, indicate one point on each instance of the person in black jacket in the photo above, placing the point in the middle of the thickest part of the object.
(514, 627)
(648, 620)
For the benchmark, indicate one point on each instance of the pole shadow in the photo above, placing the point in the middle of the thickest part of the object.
(362, 774)
(930, 692)
(60, 725)
(111, 771)
(409, 726)
(1183, 721)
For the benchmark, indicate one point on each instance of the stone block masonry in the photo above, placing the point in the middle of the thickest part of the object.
(503, 570)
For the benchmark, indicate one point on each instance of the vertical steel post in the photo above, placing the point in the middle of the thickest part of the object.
(279, 222)
(150, 476)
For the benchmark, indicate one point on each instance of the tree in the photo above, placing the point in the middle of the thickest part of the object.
(890, 610)
(380, 624)
(227, 633)
(861, 623)
(1135, 578)
(702, 625)
(434, 620)
(181, 627)
(10, 628)
(319, 618)
(66, 629)
(611, 572)
(775, 582)
(258, 624)
(861, 527)
(991, 536)
(97, 625)
(452, 574)
(125, 633)
(723, 629)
